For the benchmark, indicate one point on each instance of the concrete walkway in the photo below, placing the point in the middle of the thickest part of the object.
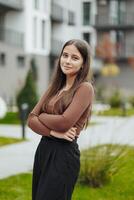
(18, 158)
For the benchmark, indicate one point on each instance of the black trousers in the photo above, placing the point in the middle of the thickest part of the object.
(56, 169)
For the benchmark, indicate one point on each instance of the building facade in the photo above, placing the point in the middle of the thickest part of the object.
(38, 28)
(116, 18)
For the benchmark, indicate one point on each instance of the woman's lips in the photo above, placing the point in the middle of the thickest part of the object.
(66, 67)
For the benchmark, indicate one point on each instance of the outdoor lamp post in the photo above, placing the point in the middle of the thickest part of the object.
(123, 107)
(23, 117)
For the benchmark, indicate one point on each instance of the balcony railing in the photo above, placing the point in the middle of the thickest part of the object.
(12, 37)
(57, 13)
(126, 52)
(56, 46)
(11, 4)
(124, 19)
(71, 18)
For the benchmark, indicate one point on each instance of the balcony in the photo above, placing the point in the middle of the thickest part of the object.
(56, 46)
(57, 13)
(6, 5)
(122, 53)
(71, 18)
(126, 52)
(11, 37)
(106, 22)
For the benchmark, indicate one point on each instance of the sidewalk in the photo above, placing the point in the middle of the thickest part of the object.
(18, 158)
(116, 130)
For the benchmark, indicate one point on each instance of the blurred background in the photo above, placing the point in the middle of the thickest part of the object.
(37, 29)
(32, 34)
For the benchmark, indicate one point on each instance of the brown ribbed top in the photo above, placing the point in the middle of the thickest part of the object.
(75, 114)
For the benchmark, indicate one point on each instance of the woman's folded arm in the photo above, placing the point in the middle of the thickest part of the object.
(82, 99)
(34, 123)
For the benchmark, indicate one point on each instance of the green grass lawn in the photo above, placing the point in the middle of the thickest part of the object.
(116, 112)
(16, 188)
(9, 140)
(10, 118)
(121, 188)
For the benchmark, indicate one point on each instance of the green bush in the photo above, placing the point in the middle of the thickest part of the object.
(28, 93)
(99, 164)
(115, 100)
(132, 101)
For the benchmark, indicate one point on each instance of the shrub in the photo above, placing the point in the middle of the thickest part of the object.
(115, 100)
(132, 101)
(99, 164)
(28, 93)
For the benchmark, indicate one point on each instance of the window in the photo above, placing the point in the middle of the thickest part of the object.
(2, 59)
(36, 4)
(86, 13)
(2, 20)
(113, 7)
(122, 12)
(71, 18)
(43, 34)
(35, 32)
(21, 61)
(86, 36)
(118, 38)
(117, 11)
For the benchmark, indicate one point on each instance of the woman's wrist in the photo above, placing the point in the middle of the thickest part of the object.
(55, 134)
(32, 113)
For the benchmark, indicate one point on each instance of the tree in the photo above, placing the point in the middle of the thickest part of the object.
(28, 93)
(34, 69)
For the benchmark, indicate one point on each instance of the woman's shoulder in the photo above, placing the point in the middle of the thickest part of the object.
(87, 86)
(85, 90)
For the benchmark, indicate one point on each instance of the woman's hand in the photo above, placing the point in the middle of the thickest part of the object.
(68, 135)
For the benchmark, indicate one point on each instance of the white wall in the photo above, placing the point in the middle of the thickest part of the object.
(89, 29)
(23, 22)
(63, 31)
(43, 13)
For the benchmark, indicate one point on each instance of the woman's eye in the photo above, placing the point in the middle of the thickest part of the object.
(74, 58)
(64, 55)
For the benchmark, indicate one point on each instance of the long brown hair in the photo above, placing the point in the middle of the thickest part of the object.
(59, 78)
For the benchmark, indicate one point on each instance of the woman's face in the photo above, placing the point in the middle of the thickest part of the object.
(71, 60)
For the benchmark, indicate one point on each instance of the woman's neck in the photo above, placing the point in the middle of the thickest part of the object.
(69, 82)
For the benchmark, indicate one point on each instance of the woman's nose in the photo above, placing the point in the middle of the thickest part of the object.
(68, 60)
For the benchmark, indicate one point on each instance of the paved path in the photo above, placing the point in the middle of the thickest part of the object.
(109, 130)
(18, 158)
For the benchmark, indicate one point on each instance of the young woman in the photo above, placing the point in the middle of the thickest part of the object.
(59, 116)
